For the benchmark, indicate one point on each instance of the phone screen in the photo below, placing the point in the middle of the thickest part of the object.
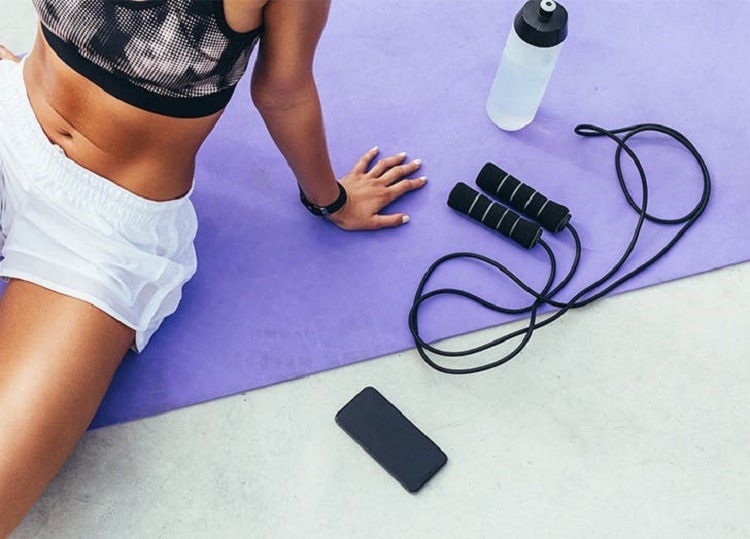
(391, 439)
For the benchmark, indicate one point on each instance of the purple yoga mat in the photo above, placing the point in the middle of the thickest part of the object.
(280, 294)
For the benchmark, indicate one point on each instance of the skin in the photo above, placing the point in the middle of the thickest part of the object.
(58, 354)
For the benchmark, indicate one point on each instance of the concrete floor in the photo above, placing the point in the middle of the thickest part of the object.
(626, 419)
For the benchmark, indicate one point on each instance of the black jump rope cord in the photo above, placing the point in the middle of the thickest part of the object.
(548, 293)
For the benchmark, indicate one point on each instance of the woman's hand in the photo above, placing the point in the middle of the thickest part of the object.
(369, 192)
(5, 54)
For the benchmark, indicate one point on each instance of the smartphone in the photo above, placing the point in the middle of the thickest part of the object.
(391, 439)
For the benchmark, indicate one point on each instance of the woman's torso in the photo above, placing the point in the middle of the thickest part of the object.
(150, 154)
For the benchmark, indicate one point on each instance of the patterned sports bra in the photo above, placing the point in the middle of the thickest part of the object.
(174, 57)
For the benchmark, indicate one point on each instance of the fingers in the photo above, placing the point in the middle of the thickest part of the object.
(395, 191)
(5, 54)
(404, 186)
(389, 221)
(365, 160)
(387, 163)
(398, 172)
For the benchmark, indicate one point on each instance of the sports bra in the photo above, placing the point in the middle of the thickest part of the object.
(174, 57)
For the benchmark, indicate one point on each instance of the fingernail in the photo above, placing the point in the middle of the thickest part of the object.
(405, 219)
(374, 149)
(402, 154)
(423, 178)
(417, 162)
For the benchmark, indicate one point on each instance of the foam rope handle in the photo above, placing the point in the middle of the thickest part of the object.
(471, 202)
(530, 202)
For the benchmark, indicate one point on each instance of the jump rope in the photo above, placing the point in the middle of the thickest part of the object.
(542, 212)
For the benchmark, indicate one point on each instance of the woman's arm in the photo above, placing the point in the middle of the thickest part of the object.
(284, 91)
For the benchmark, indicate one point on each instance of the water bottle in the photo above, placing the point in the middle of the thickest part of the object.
(529, 58)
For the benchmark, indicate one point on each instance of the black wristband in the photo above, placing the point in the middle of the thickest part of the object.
(322, 211)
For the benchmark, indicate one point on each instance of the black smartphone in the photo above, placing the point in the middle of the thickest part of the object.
(391, 439)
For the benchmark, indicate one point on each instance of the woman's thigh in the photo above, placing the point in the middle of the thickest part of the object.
(58, 355)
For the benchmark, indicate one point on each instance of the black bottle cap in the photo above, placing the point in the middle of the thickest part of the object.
(542, 23)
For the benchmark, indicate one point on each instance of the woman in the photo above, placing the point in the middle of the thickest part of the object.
(99, 128)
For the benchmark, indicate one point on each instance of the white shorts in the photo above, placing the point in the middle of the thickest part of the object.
(75, 232)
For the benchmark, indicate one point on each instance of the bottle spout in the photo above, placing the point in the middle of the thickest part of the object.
(547, 9)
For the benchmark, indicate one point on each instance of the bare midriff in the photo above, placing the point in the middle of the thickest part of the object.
(150, 154)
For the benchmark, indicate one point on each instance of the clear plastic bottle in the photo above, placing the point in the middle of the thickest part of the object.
(536, 38)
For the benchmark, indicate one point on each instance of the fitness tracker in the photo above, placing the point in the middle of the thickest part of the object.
(322, 211)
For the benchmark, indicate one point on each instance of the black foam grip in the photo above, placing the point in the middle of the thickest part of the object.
(527, 200)
(471, 202)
